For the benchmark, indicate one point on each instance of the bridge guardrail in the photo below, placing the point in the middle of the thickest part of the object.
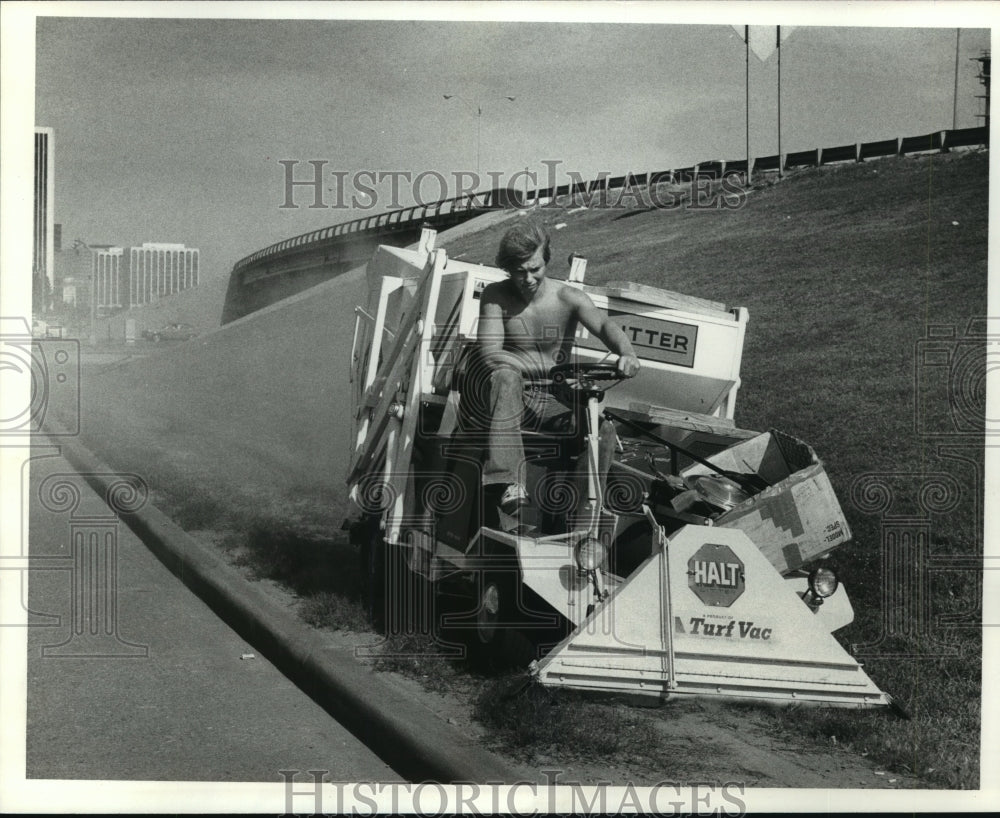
(841, 153)
(407, 217)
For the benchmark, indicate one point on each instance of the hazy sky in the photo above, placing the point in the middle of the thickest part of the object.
(172, 129)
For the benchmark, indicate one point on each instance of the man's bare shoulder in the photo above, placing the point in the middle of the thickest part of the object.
(573, 296)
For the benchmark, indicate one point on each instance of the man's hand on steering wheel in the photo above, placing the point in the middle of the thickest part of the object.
(628, 366)
(583, 376)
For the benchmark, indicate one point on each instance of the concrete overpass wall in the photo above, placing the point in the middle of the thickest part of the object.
(296, 264)
(263, 283)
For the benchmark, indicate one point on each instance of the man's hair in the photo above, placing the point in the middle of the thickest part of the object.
(520, 243)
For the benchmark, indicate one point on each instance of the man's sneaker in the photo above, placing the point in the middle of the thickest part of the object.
(515, 497)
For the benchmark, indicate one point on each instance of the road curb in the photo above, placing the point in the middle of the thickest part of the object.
(408, 737)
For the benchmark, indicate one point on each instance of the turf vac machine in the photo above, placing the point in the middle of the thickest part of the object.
(666, 553)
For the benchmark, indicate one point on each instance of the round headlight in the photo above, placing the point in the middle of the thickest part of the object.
(823, 582)
(590, 554)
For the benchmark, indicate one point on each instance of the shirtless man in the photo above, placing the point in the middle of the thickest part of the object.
(526, 326)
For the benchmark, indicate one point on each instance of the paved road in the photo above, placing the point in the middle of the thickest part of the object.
(138, 680)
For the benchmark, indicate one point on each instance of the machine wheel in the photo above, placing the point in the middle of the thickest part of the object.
(396, 599)
(497, 643)
(401, 596)
(372, 565)
(407, 596)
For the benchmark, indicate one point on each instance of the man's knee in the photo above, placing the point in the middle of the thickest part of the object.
(506, 396)
(506, 377)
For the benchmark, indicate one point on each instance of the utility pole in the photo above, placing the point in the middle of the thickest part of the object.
(954, 107)
(781, 169)
(747, 38)
(479, 123)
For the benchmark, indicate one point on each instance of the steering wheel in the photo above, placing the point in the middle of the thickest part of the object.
(586, 377)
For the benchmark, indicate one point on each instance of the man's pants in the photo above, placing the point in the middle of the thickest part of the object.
(515, 405)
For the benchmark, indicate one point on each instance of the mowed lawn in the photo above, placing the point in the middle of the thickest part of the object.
(844, 270)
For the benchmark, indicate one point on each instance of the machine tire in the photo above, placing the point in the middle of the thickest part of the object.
(372, 566)
(497, 644)
(407, 596)
(394, 597)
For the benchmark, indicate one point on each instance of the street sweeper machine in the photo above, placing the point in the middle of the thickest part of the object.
(666, 552)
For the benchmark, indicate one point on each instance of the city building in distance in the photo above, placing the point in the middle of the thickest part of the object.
(43, 244)
(159, 269)
(124, 277)
(110, 276)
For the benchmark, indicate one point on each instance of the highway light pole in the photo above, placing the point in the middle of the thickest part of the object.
(478, 106)
(954, 99)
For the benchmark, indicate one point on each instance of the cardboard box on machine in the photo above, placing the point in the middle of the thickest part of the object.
(798, 518)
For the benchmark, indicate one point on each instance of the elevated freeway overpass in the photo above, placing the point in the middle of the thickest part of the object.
(293, 265)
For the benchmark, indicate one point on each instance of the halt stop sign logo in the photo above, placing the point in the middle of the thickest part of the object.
(716, 575)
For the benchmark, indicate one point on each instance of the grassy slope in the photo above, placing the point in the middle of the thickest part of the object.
(842, 270)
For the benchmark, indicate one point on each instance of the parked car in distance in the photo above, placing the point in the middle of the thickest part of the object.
(170, 332)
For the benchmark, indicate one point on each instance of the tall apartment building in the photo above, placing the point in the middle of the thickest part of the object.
(159, 269)
(44, 190)
(110, 276)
